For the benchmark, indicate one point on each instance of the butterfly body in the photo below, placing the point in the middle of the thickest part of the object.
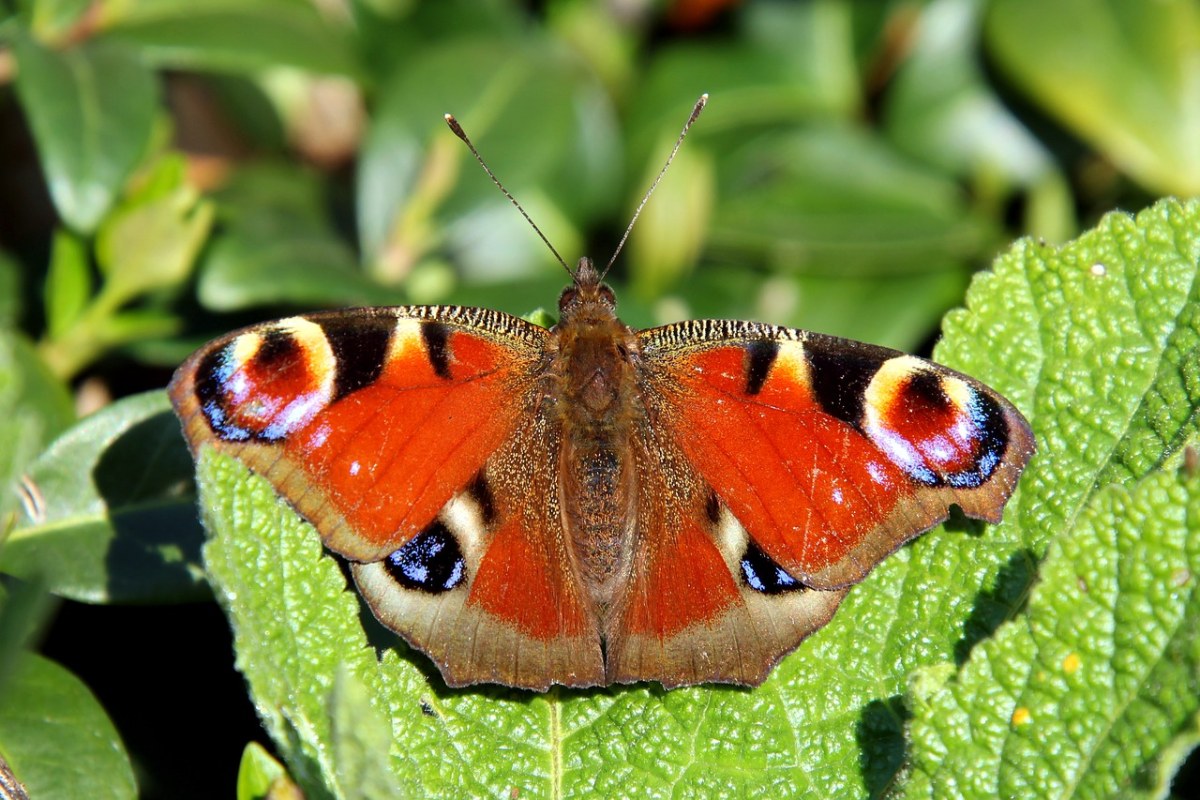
(594, 504)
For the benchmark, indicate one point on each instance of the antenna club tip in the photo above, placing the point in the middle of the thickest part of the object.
(454, 126)
(703, 98)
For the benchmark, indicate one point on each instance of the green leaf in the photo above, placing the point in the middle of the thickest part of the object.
(899, 311)
(261, 777)
(1121, 74)
(840, 201)
(115, 519)
(794, 62)
(671, 231)
(272, 258)
(419, 190)
(234, 35)
(69, 283)
(1097, 341)
(54, 19)
(276, 247)
(34, 408)
(361, 737)
(57, 738)
(91, 109)
(940, 107)
(10, 291)
(1085, 693)
(25, 608)
(151, 243)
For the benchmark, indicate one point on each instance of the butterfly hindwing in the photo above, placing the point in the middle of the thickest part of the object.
(830, 453)
(489, 591)
(701, 603)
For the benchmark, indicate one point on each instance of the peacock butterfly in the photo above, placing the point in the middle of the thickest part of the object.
(594, 504)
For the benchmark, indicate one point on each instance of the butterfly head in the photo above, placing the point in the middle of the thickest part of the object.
(587, 297)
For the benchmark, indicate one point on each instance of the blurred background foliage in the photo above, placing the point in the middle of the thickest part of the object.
(173, 169)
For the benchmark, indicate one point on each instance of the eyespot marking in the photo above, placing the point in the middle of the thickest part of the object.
(430, 562)
(762, 574)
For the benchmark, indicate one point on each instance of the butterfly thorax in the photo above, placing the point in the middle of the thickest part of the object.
(594, 392)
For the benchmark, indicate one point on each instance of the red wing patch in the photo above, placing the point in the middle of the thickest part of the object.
(525, 580)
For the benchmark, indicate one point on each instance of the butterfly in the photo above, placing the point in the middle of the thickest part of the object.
(593, 504)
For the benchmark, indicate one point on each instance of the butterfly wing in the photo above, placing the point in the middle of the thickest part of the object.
(798, 462)
(686, 614)
(413, 440)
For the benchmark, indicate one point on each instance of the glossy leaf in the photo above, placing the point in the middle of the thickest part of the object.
(419, 190)
(271, 258)
(10, 291)
(91, 108)
(57, 738)
(261, 777)
(69, 284)
(276, 247)
(941, 108)
(1120, 74)
(234, 36)
(671, 231)
(34, 408)
(151, 243)
(52, 19)
(834, 200)
(115, 518)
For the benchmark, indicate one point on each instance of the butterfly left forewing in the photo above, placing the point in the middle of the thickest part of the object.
(830, 453)
(366, 420)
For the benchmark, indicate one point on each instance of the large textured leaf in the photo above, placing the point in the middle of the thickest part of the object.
(1097, 341)
(1084, 695)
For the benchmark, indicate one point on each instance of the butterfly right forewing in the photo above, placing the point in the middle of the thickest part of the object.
(831, 453)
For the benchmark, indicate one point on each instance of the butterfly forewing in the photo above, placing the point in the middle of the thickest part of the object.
(365, 420)
(830, 453)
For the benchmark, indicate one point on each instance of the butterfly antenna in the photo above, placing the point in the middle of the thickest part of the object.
(637, 213)
(460, 133)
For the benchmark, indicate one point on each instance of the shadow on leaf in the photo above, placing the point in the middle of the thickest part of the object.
(881, 743)
(144, 478)
(999, 604)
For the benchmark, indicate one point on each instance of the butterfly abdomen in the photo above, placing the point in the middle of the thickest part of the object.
(598, 407)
